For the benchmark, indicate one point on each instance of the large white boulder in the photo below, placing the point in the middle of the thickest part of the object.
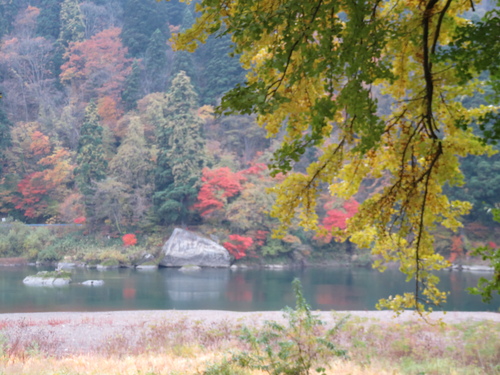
(185, 248)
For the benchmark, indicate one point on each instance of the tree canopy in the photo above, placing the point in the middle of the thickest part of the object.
(317, 71)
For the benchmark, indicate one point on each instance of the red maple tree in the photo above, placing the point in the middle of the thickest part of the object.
(254, 169)
(336, 218)
(32, 189)
(218, 185)
(129, 239)
(238, 245)
(80, 220)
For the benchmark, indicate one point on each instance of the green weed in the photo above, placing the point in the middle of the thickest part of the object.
(293, 349)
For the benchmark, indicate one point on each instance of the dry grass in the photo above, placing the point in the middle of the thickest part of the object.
(188, 346)
(153, 364)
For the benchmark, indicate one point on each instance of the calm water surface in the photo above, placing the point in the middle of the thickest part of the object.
(223, 289)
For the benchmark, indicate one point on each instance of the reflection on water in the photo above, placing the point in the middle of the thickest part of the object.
(223, 289)
(208, 284)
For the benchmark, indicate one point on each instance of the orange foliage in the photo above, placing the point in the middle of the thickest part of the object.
(32, 189)
(25, 22)
(61, 170)
(100, 63)
(129, 239)
(71, 208)
(40, 143)
(456, 249)
(290, 238)
(110, 113)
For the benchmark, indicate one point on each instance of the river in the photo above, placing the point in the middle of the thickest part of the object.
(339, 288)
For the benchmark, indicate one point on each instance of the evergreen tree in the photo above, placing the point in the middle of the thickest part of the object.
(181, 155)
(187, 19)
(141, 19)
(221, 72)
(175, 11)
(71, 29)
(4, 139)
(156, 63)
(91, 164)
(182, 60)
(132, 88)
(8, 12)
(481, 186)
(49, 21)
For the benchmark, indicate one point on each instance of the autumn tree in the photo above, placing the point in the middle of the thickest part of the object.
(98, 66)
(26, 59)
(218, 185)
(38, 174)
(250, 211)
(336, 216)
(238, 245)
(40, 193)
(314, 67)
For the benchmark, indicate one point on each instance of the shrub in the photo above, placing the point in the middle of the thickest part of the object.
(48, 255)
(12, 240)
(129, 239)
(292, 349)
(37, 240)
(112, 257)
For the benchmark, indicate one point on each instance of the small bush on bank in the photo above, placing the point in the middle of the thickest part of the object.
(12, 236)
(288, 350)
(48, 255)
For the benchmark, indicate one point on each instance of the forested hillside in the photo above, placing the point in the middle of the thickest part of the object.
(102, 123)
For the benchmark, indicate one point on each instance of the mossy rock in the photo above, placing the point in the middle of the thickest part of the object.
(54, 274)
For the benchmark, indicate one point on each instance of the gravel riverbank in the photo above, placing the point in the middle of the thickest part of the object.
(86, 332)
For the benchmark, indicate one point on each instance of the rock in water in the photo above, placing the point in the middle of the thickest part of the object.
(93, 283)
(187, 248)
(44, 278)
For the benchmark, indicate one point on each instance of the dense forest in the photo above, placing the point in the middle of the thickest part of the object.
(102, 123)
